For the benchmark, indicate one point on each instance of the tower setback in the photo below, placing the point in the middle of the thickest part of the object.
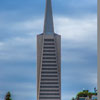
(48, 60)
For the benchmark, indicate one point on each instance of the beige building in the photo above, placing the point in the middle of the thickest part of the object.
(48, 60)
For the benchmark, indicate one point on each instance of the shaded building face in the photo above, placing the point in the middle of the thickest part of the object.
(48, 60)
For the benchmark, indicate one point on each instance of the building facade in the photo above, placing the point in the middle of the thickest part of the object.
(94, 97)
(84, 98)
(48, 60)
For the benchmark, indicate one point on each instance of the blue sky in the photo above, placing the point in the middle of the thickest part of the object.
(22, 20)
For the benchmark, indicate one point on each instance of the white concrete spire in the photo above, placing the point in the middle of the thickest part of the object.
(48, 21)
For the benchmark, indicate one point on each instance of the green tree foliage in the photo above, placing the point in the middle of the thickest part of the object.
(82, 94)
(8, 96)
(85, 94)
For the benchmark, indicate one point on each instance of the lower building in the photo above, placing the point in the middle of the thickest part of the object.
(94, 97)
(84, 98)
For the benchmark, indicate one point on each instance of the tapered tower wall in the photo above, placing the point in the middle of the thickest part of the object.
(49, 67)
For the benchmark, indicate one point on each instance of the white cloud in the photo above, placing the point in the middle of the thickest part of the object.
(1, 44)
(82, 29)
(18, 48)
(19, 90)
(76, 33)
(29, 25)
(81, 32)
(92, 79)
(68, 96)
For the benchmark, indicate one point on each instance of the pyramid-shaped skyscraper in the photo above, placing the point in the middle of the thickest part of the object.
(48, 60)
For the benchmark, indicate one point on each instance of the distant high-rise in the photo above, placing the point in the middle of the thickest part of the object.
(48, 60)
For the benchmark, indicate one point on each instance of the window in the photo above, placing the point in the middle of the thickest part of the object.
(49, 54)
(48, 50)
(49, 68)
(49, 79)
(49, 72)
(49, 93)
(48, 75)
(49, 47)
(49, 61)
(49, 97)
(49, 86)
(48, 39)
(49, 57)
(49, 65)
(49, 82)
(48, 43)
(49, 90)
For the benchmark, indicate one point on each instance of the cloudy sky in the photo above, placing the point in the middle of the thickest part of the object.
(22, 20)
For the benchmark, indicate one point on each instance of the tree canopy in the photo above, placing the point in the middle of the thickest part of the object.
(85, 94)
(73, 98)
(8, 96)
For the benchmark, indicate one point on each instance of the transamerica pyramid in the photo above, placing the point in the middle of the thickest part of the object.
(48, 60)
